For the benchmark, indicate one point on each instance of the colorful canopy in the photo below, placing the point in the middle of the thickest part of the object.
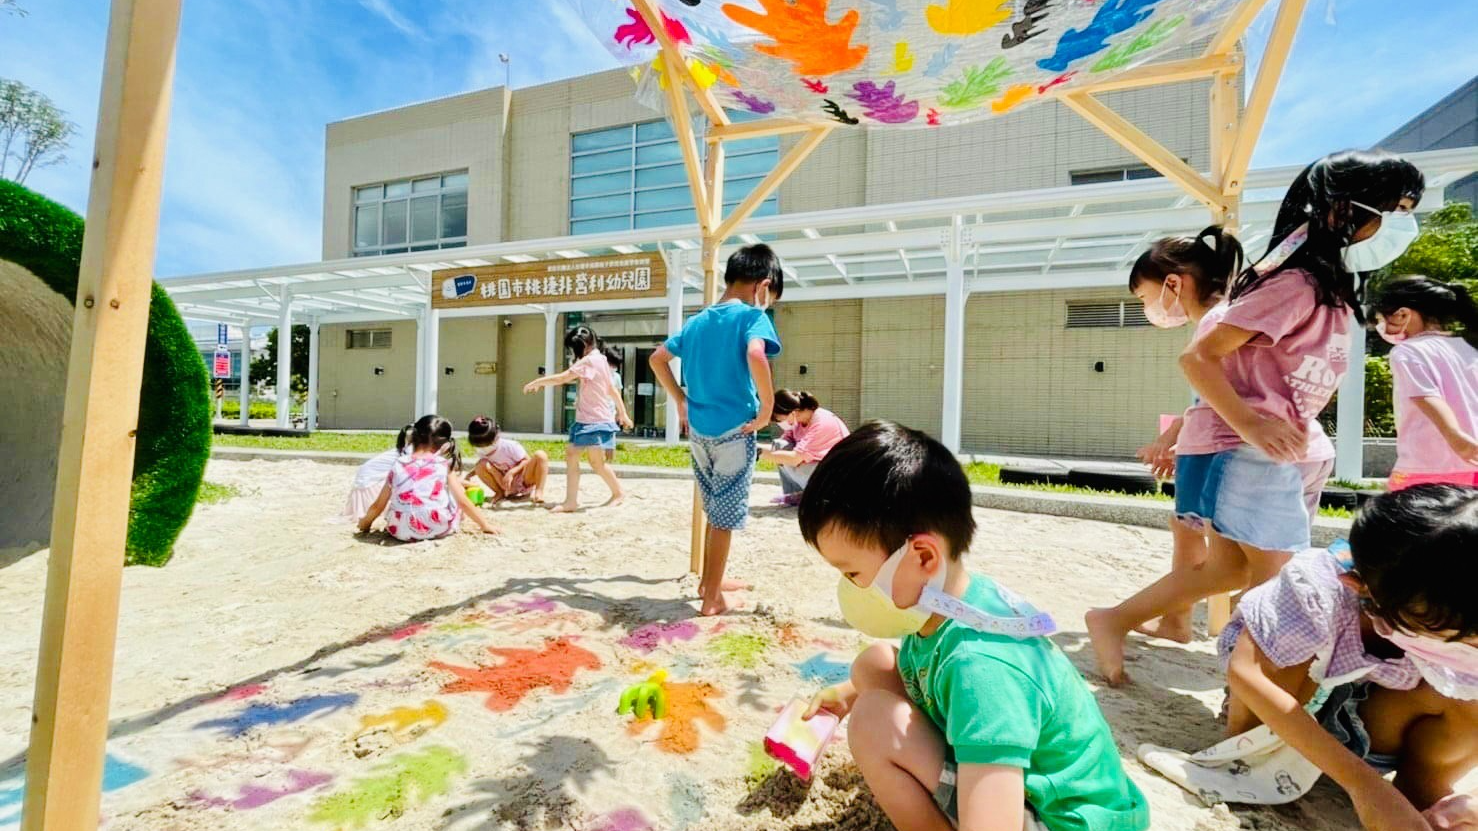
(899, 63)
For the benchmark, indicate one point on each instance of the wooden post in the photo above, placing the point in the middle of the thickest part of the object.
(64, 764)
(1274, 57)
(1148, 150)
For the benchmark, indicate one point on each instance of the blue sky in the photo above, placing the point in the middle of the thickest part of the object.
(257, 80)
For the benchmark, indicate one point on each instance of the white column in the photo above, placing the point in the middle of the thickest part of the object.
(433, 361)
(311, 410)
(551, 358)
(245, 391)
(955, 297)
(422, 324)
(676, 263)
(1349, 447)
(285, 359)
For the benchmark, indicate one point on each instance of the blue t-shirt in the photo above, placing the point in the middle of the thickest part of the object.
(714, 348)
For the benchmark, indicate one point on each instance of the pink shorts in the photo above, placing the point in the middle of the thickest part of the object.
(1400, 481)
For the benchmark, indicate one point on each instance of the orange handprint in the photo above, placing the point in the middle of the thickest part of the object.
(687, 704)
(966, 17)
(802, 35)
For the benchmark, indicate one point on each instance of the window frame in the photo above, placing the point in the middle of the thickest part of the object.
(358, 201)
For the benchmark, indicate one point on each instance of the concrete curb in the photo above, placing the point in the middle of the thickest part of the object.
(1119, 510)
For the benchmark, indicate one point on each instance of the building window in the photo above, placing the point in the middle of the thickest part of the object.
(628, 177)
(367, 339)
(410, 215)
(1105, 315)
(1116, 174)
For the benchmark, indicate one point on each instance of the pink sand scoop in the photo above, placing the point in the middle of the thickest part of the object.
(799, 742)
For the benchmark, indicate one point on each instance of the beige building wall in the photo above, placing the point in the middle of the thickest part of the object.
(463, 132)
(825, 338)
(350, 394)
(522, 353)
(463, 344)
(902, 352)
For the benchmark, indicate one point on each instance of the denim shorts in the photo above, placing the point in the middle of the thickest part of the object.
(593, 435)
(1340, 718)
(724, 468)
(1245, 496)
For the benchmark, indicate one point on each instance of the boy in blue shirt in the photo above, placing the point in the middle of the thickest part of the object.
(725, 350)
(976, 720)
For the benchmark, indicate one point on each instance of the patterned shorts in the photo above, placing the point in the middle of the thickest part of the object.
(724, 468)
(947, 797)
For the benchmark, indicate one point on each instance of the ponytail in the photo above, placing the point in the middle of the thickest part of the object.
(404, 438)
(1211, 258)
(482, 432)
(434, 433)
(788, 401)
(1434, 300)
(807, 401)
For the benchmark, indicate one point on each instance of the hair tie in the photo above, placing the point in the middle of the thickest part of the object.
(1208, 240)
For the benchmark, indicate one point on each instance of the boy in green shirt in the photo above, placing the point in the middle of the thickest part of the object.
(977, 721)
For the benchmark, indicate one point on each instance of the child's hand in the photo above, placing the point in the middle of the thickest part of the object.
(627, 424)
(836, 699)
(530, 388)
(508, 482)
(1382, 808)
(682, 416)
(1464, 446)
(1454, 812)
(490, 529)
(757, 425)
(1160, 456)
(1283, 441)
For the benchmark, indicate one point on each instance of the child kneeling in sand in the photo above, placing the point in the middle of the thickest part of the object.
(421, 499)
(977, 720)
(504, 465)
(369, 479)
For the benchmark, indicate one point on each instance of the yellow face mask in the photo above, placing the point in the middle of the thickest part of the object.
(871, 610)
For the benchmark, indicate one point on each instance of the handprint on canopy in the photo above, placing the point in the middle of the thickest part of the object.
(802, 35)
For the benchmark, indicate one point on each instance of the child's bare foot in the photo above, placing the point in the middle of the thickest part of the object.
(732, 585)
(1177, 629)
(1108, 645)
(566, 508)
(722, 604)
(616, 499)
(537, 498)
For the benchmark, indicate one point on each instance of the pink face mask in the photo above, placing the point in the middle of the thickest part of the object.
(1450, 667)
(1162, 317)
(1388, 335)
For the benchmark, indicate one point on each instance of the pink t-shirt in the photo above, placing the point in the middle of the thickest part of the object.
(593, 404)
(813, 441)
(1289, 369)
(503, 454)
(1433, 366)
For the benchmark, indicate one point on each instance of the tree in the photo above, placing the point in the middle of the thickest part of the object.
(264, 365)
(1446, 249)
(33, 131)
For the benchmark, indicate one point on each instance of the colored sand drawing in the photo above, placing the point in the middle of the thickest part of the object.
(10, 803)
(738, 649)
(406, 723)
(648, 637)
(553, 620)
(407, 779)
(277, 749)
(117, 775)
(1112, 17)
(883, 103)
(975, 86)
(802, 35)
(564, 706)
(255, 796)
(522, 671)
(823, 670)
(460, 626)
(1153, 35)
(761, 765)
(408, 631)
(788, 635)
(622, 819)
(966, 17)
(1014, 96)
(240, 693)
(685, 800)
(266, 715)
(536, 603)
(687, 704)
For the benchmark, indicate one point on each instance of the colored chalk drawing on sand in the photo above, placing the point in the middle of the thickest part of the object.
(622, 819)
(267, 715)
(240, 693)
(521, 672)
(738, 649)
(570, 618)
(534, 603)
(802, 35)
(761, 765)
(277, 748)
(822, 670)
(406, 723)
(404, 781)
(565, 706)
(687, 706)
(647, 637)
(410, 631)
(685, 801)
(117, 775)
(250, 797)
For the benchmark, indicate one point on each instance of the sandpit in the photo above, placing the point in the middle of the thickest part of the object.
(282, 673)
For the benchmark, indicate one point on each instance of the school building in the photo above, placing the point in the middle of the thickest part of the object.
(1025, 224)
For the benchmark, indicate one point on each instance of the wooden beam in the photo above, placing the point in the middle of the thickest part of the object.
(1225, 119)
(1169, 72)
(1269, 71)
(683, 74)
(682, 128)
(782, 171)
(757, 129)
(79, 624)
(1236, 26)
(1147, 149)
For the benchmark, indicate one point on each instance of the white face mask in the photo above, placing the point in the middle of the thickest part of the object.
(1162, 317)
(1397, 231)
(872, 611)
(1451, 667)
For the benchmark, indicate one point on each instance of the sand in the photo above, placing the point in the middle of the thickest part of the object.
(282, 673)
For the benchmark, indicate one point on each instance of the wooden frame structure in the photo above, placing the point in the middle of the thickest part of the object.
(65, 762)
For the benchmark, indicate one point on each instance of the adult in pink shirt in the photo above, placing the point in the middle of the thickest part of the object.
(811, 432)
(1435, 377)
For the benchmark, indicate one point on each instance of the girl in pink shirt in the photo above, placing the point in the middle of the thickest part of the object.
(598, 405)
(1435, 378)
(508, 470)
(811, 432)
(421, 498)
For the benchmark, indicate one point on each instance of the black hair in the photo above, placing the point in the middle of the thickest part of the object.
(613, 356)
(581, 339)
(403, 437)
(1434, 300)
(435, 433)
(788, 401)
(483, 431)
(1414, 551)
(885, 483)
(1211, 258)
(1323, 197)
(754, 264)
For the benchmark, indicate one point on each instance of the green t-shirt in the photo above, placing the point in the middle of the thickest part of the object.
(1002, 701)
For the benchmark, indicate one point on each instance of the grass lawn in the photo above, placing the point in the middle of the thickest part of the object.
(642, 455)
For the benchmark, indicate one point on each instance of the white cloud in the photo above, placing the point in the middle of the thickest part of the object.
(387, 12)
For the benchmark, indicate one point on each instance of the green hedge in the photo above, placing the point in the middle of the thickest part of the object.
(174, 406)
(231, 408)
(1380, 418)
